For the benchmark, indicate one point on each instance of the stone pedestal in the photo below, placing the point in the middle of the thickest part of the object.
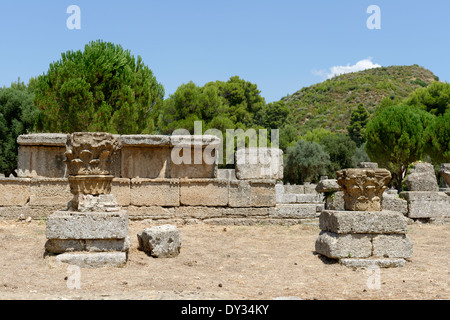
(93, 231)
(364, 235)
(377, 236)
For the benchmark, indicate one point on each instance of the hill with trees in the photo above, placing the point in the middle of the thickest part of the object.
(329, 104)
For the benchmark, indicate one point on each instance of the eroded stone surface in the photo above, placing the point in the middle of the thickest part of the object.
(372, 222)
(421, 177)
(160, 241)
(363, 188)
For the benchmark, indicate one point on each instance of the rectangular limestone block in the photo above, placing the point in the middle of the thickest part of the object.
(392, 246)
(121, 189)
(372, 262)
(193, 156)
(13, 213)
(286, 198)
(427, 204)
(199, 212)
(229, 174)
(94, 259)
(239, 193)
(294, 188)
(50, 192)
(14, 192)
(204, 192)
(58, 246)
(155, 192)
(89, 225)
(155, 212)
(308, 198)
(259, 163)
(41, 161)
(338, 246)
(294, 211)
(392, 202)
(145, 161)
(263, 193)
(373, 222)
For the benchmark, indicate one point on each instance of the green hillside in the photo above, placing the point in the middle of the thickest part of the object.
(329, 104)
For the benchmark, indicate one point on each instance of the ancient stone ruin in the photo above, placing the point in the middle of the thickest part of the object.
(425, 200)
(93, 231)
(160, 241)
(364, 234)
(153, 185)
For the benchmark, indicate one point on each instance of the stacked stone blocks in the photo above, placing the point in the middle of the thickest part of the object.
(363, 234)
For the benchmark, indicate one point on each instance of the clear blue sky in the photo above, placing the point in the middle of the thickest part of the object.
(281, 45)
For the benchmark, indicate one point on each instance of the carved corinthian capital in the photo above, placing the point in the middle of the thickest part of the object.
(363, 188)
(89, 158)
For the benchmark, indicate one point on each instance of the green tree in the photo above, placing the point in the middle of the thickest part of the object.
(273, 115)
(305, 162)
(103, 88)
(358, 121)
(243, 98)
(17, 116)
(434, 99)
(439, 131)
(396, 137)
(341, 150)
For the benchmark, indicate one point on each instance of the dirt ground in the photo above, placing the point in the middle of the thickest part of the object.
(226, 263)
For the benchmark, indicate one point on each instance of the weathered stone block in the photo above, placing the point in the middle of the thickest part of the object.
(202, 212)
(90, 203)
(155, 212)
(335, 201)
(94, 259)
(42, 155)
(294, 211)
(145, 161)
(363, 222)
(50, 192)
(421, 177)
(13, 213)
(392, 202)
(160, 241)
(422, 204)
(337, 246)
(259, 163)
(372, 262)
(229, 174)
(392, 246)
(204, 192)
(239, 193)
(194, 156)
(155, 192)
(121, 189)
(57, 246)
(91, 225)
(41, 162)
(294, 189)
(310, 188)
(308, 198)
(287, 198)
(327, 185)
(14, 191)
(263, 193)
